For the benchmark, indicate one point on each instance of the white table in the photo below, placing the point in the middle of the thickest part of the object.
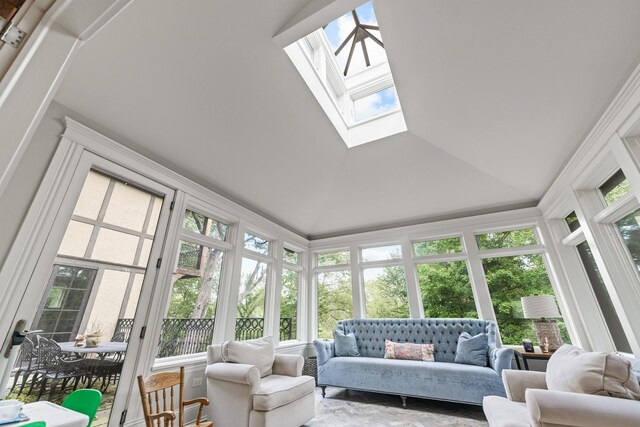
(101, 350)
(54, 415)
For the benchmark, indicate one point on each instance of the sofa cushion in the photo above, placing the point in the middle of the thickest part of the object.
(259, 353)
(573, 369)
(345, 345)
(280, 390)
(472, 350)
(501, 412)
(408, 351)
(439, 380)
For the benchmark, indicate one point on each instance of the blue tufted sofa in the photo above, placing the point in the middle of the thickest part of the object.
(441, 380)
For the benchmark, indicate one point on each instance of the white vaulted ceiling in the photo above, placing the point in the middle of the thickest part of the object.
(496, 95)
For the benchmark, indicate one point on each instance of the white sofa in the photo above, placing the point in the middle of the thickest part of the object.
(244, 395)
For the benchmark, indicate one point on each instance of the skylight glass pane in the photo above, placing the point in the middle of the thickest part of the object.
(375, 104)
(338, 30)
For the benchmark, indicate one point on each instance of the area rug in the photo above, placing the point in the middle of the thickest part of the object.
(347, 408)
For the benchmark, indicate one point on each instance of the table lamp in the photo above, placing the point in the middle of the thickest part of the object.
(542, 309)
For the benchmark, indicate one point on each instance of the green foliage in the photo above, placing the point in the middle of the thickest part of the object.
(436, 247)
(509, 279)
(630, 231)
(334, 258)
(183, 297)
(617, 192)
(289, 295)
(334, 301)
(446, 290)
(387, 294)
(507, 239)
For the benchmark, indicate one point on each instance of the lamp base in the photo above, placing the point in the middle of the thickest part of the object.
(548, 329)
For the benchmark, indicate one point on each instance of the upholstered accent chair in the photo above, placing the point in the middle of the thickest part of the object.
(529, 402)
(268, 394)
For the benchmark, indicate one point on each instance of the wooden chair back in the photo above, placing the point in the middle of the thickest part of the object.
(159, 398)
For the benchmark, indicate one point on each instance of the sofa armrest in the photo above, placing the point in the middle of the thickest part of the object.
(516, 383)
(238, 373)
(288, 364)
(324, 351)
(585, 410)
(500, 358)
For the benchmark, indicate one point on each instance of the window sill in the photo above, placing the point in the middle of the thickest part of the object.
(196, 360)
(189, 361)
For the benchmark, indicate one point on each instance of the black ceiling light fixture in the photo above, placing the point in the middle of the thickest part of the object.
(360, 33)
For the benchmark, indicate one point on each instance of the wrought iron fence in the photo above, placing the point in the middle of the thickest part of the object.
(186, 336)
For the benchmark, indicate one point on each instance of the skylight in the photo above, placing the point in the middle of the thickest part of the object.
(346, 67)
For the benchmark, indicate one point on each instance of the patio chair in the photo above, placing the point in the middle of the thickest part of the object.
(27, 364)
(119, 337)
(158, 388)
(56, 368)
(107, 370)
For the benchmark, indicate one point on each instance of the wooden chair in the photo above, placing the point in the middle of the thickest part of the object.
(158, 400)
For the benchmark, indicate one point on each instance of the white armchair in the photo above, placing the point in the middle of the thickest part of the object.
(240, 397)
(529, 403)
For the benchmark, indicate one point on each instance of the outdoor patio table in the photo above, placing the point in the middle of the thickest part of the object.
(54, 415)
(102, 350)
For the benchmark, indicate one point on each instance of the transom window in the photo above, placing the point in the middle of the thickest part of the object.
(614, 188)
(450, 245)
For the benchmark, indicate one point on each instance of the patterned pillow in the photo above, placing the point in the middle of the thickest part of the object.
(408, 351)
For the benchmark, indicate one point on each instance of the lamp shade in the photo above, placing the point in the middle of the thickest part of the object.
(539, 306)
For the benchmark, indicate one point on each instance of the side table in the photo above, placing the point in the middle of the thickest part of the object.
(525, 355)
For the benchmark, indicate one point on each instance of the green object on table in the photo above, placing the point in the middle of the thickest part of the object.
(85, 401)
(35, 424)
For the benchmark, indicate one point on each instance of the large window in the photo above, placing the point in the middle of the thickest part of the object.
(446, 290)
(290, 294)
(511, 278)
(289, 305)
(334, 300)
(385, 282)
(253, 282)
(604, 299)
(188, 325)
(61, 313)
(386, 292)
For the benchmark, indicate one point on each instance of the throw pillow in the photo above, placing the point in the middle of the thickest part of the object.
(345, 345)
(576, 370)
(259, 353)
(472, 350)
(408, 351)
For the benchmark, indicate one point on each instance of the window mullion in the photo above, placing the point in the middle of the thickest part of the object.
(479, 284)
(413, 286)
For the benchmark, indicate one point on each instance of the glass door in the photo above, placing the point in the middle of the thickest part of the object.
(93, 293)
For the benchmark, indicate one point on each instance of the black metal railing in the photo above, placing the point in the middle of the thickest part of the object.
(186, 336)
